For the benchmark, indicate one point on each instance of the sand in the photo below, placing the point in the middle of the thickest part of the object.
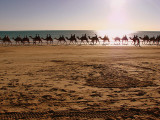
(82, 82)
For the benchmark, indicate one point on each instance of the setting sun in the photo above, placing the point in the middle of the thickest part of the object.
(117, 19)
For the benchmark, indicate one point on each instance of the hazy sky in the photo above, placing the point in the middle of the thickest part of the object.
(79, 14)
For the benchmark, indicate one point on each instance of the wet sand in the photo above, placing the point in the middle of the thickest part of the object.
(83, 82)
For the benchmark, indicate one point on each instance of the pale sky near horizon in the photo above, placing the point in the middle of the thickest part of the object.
(140, 15)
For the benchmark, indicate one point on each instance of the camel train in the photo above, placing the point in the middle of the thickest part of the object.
(84, 39)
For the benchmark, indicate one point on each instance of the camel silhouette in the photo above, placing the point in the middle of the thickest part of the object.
(117, 40)
(94, 39)
(36, 39)
(60, 40)
(5, 40)
(25, 39)
(48, 39)
(83, 39)
(135, 40)
(105, 39)
(158, 40)
(18, 40)
(152, 40)
(72, 39)
(0, 39)
(145, 39)
(124, 40)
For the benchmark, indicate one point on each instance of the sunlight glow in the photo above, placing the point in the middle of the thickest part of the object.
(117, 3)
(114, 33)
(117, 19)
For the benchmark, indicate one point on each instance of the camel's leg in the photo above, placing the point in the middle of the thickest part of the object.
(87, 42)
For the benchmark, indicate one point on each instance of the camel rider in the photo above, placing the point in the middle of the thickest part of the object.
(105, 37)
(49, 36)
(63, 37)
(7, 37)
(96, 36)
(38, 37)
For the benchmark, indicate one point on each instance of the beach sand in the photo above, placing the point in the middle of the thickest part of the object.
(80, 82)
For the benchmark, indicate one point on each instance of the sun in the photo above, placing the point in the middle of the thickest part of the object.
(117, 20)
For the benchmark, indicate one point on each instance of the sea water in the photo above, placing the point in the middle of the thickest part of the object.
(67, 33)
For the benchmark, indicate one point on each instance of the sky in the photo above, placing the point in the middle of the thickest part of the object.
(135, 15)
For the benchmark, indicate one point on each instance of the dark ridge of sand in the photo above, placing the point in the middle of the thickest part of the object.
(38, 79)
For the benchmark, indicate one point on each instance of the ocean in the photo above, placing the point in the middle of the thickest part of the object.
(67, 33)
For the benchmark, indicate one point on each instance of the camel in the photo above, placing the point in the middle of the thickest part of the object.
(158, 40)
(105, 39)
(72, 39)
(117, 40)
(145, 39)
(18, 40)
(136, 41)
(124, 40)
(83, 38)
(152, 40)
(25, 39)
(36, 39)
(48, 39)
(60, 39)
(5, 40)
(94, 39)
